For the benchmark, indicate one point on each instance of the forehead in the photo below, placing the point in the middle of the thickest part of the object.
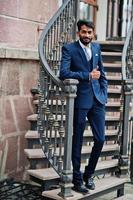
(86, 28)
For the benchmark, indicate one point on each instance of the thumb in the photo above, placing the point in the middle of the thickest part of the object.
(95, 69)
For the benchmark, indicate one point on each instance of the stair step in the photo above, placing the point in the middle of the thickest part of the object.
(113, 104)
(102, 185)
(125, 197)
(111, 56)
(33, 117)
(34, 153)
(115, 46)
(105, 53)
(87, 133)
(114, 90)
(38, 153)
(43, 174)
(114, 78)
(32, 134)
(111, 42)
(109, 104)
(49, 173)
(113, 67)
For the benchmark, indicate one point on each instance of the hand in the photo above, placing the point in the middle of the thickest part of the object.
(95, 74)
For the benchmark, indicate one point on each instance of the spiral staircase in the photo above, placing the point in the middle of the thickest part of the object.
(50, 137)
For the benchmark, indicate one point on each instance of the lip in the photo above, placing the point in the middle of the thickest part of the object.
(86, 39)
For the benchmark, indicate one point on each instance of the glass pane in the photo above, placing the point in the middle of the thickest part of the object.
(86, 11)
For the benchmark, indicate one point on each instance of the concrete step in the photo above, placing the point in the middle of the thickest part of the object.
(111, 42)
(114, 78)
(87, 133)
(34, 142)
(33, 137)
(115, 46)
(114, 90)
(111, 57)
(117, 54)
(109, 104)
(33, 117)
(103, 186)
(109, 149)
(49, 173)
(113, 67)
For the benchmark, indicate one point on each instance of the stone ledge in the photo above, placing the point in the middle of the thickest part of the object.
(18, 53)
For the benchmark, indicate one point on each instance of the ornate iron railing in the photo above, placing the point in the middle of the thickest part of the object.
(54, 126)
(119, 16)
(127, 85)
(127, 56)
(56, 98)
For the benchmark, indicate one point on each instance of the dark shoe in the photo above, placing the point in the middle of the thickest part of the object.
(80, 188)
(89, 183)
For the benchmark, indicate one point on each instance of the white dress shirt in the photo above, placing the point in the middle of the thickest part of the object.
(86, 49)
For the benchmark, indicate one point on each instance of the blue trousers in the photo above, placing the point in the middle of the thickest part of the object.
(96, 117)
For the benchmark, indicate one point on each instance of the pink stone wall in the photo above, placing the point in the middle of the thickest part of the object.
(21, 23)
(18, 74)
(21, 20)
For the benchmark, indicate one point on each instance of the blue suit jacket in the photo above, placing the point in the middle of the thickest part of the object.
(75, 65)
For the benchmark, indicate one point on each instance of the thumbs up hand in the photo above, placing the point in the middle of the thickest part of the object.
(95, 73)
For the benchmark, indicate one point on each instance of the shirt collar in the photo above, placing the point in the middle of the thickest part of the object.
(83, 46)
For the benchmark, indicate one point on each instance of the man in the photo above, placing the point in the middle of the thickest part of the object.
(82, 60)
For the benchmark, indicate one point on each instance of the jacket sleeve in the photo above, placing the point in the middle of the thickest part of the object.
(65, 67)
(103, 81)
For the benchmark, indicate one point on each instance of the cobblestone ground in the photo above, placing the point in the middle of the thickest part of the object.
(128, 190)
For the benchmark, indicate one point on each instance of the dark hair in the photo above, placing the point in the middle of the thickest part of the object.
(82, 22)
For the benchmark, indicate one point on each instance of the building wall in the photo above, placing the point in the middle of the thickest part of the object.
(18, 74)
(21, 21)
(101, 20)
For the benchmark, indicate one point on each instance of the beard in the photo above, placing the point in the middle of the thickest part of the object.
(85, 41)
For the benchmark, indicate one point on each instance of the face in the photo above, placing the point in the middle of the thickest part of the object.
(86, 34)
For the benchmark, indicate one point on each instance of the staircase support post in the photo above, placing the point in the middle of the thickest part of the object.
(76, 14)
(66, 176)
(123, 161)
(131, 153)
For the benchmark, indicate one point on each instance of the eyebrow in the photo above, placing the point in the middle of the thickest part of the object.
(87, 31)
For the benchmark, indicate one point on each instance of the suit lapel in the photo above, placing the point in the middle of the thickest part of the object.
(81, 52)
(93, 49)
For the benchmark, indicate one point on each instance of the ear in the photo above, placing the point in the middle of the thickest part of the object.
(77, 33)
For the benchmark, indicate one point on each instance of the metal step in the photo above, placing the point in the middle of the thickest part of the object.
(103, 186)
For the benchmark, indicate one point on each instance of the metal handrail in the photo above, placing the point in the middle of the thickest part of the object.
(43, 61)
(124, 55)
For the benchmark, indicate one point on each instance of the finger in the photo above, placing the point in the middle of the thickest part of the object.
(95, 69)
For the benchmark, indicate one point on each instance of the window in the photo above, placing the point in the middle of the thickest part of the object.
(86, 11)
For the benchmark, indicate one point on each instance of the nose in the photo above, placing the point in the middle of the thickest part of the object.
(87, 34)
